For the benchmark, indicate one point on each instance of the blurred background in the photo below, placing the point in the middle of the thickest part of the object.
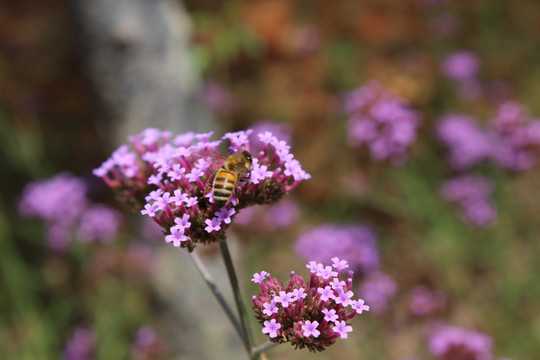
(452, 219)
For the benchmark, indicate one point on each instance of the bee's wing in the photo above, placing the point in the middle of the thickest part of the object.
(214, 157)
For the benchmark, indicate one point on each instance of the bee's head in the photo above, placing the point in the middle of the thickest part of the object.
(249, 159)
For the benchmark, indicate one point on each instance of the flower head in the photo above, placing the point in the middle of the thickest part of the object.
(309, 313)
(80, 345)
(450, 342)
(471, 194)
(382, 120)
(173, 176)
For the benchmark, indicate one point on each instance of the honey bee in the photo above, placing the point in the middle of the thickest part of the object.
(235, 167)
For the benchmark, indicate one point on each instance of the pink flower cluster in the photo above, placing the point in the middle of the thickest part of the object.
(472, 196)
(62, 203)
(307, 314)
(511, 139)
(169, 178)
(382, 120)
(450, 342)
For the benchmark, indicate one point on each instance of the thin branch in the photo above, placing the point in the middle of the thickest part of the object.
(248, 340)
(262, 348)
(213, 287)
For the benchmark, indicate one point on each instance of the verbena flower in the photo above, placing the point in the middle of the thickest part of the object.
(312, 313)
(425, 301)
(515, 137)
(472, 196)
(354, 243)
(378, 289)
(80, 345)
(170, 180)
(460, 66)
(218, 98)
(382, 120)
(146, 345)
(62, 204)
(467, 142)
(450, 342)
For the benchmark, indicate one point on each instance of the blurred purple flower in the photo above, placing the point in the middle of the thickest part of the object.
(378, 289)
(99, 222)
(471, 194)
(218, 98)
(450, 342)
(382, 120)
(61, 202)
(515, 137)
(146, 345)
(467, 143)
(354, 243)
(80, 345)
(60, 199)
(461, 66)
(282, 214)
(425, 301)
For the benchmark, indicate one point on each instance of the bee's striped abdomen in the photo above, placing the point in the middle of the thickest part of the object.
(224, 184)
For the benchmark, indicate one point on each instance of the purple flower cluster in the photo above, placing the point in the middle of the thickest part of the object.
(354, 243)
(312, 314)
(511, 139)
(471, 194)
(450, 342)
(462, 67)
(382, 120)
(515, 136)
(80, 345)
(425, 301)
(146, 345)
(170, 180)
(61, 202)
(218, 98)
(378, 289)
(467, 142)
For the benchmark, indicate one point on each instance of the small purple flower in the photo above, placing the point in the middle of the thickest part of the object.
(378, 289)
(359, 306)
(310, 329)
(354, 244)
(450, 342)
(271, 328)
(424, 301)
(467, 142)
(515, 137)
(284, 299)
(329, 315)
(270, 308)
(326, 293)
(461, 66)
(258, 278)
(80, 345)
(212, 225)
(339, 264)
(218, 98)
(382, 120)
(146, 344)
(177, 236)
(342, 329)
(471, 194)
(99, 222)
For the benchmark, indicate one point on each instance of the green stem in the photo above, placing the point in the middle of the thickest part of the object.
(217, 294)
(248, 339)
(262, 348)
